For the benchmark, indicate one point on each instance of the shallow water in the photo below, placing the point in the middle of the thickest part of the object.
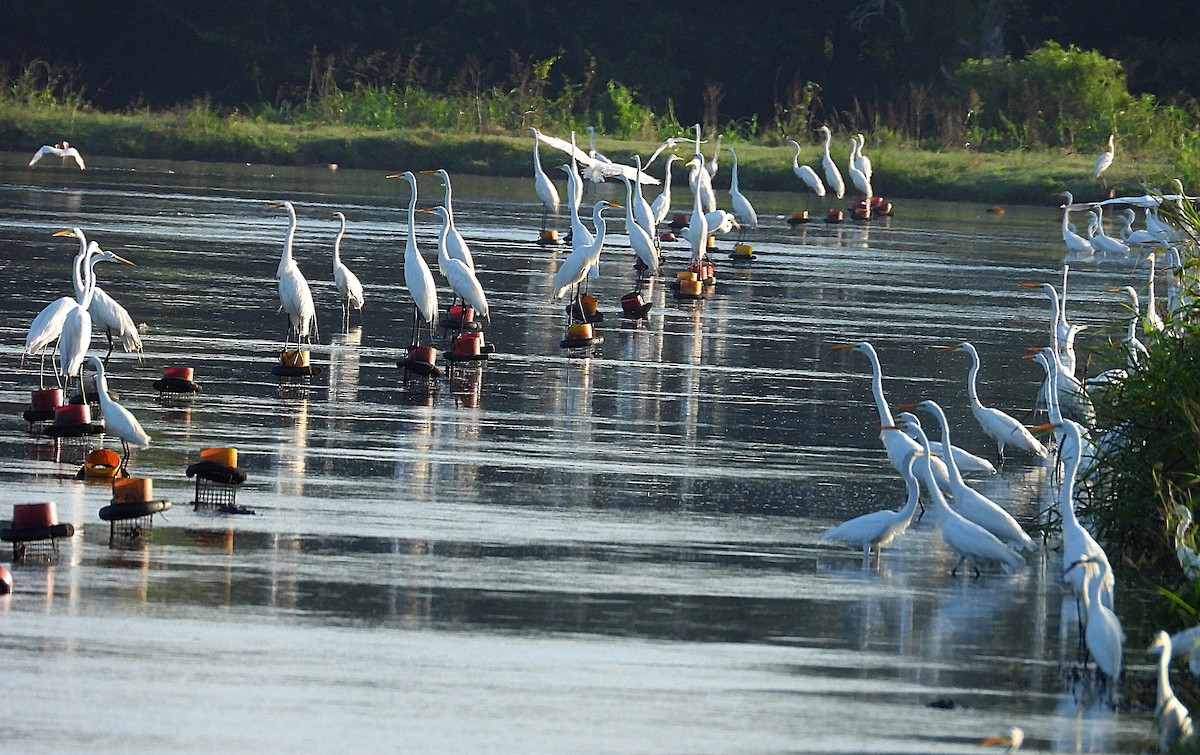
(553, 553)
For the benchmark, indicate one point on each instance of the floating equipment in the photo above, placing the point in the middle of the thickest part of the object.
(667, 237)
(995, 210)
(103, 464)
(217, 479)
(130, 515)
(177, 380)
(6, 585)
(633, 307)
(34, 532)
(549, 237)
(584, 308)
(460, 317)
(469, 347)
(743, 254)
(581, 336)
(42, 405)
(834, 216)
(799, 217)
(74, 421)
(422, 360)
(295, 364)
(689, 289)
(679, 220)
(879, 206)
(704, 273)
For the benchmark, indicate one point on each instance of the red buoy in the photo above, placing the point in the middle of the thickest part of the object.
(181, 373)
(5, 580)
(462, 314)
(73, 414)
(34, 515)
(46, 399)
(468, 344)
(835, 216)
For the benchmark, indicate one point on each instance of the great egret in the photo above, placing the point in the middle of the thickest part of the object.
(661, 206)
(350, 290)
(1136, 350)
(1104, 243)
(542, 184)
(862, 162)
(742, 209)
(76, 336)
(711, 165)
(806, 173)
(295, 297)
(579, 231)
(47, 325)
(105, 311)
(1172, 722)
(583, 256)
(1152, 322)
(698, 223)
(456, 245)
(61, 150)
(461, 278)
(1105, 158)
(1001, 427)
(1189, 560)
(1102, 635)
(1077, 246)
(1133, 237)
(878, 528)
(594, 168)
(1058, 422)
(700, 183)
(971, 542)
(833, 176)
(857, 176)
(417, 277)
(640, 239)
(642, 212)
(970, 503)
(118, 420)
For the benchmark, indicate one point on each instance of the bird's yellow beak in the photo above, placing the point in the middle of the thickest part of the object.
(1030, 285)
(946, 348)
(65, 233)
(842, 346)
(1109, 290)
(396, 175)
(1042, 428)
(274, 206)
(906, 407)
(995, 741)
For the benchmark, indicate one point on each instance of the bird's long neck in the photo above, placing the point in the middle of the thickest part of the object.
(796, 158)
(1062, 307)
(951, 466)
(733, 173)
(102, 388)
(337, 244)
(1066, 501)
(449, 207)
(939, 501)
(912, 486)
(1164, 679)
(285, 260)
(443, 235)
(412, 221)
(598, 240)
(972, 377)
(885, 414)
(79, 269)
(89, 284)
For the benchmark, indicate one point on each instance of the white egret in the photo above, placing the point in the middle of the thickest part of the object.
(461, 278)
(542, 184)
(857, 176)
(700, 184)
(456, 245)
(1152, 322)
(742, 209)
(118, 420)
(594, 168)
(105, 310)
(1077, 246)
(61, 150)
(295, 297)
(640, 239)
(1189, 560)
(583, 255)
(417, 278)
(806, 173)
(47, 325)
(833, 176)
(1133, 237)
(1103, 634)
(574, 180)
(1045, 358)
(349, 288)
(878, 528)
(661, 206)
(76, 336)
(1001, 427)
(1172, 721)
(1136, 349)
(1104, 243)
(579, 232)
(698, 223)
(1106, 157)
(711, 165)
(642, 212)
(970, 503)
(862, 162)
(972, 543)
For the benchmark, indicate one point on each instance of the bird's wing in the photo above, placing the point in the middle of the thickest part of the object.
(567, 147)
(45, 150)
(72, 152)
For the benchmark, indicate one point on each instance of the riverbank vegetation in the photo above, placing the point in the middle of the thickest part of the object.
(1002, 130)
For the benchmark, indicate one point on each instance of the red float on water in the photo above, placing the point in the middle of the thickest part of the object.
(73, 414)
(468, 344)
(424, 354)
(632, 302)
(461, 314)
(5, 581)
(34, 515)
(182, 373)
(46, 399)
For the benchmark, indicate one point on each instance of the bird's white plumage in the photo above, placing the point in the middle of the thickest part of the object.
(1172, 721)
(461, 278)
(1001, 427)
(456, 245)
(742, 209)
(417, 278)
(640, 239)
(295, 297)
(118, 420)
(61, 150)
(546, 191)
(878, 528)
(833, 176)
(1105, 159)
(661, 205)
(349, 288)
(584, 255)
(806, 173)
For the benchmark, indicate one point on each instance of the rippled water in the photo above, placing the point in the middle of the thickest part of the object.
(553, 553)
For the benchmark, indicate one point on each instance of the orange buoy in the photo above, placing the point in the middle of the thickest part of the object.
(46, 399)
(103, 463)
(73, 414)
(690, 288)
(687, 275)
(797, 218)
(224, 456)
(294, 358)
(834, 216)
(133, 490)
(549, 238)
(423, 354)
(34, 515)
(461, 314)
(581, 331)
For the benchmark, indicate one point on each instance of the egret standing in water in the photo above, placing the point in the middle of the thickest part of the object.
(118, 420)
(583, 257)
(833, 176)
(417, 277)
(742, 209)
(350, 290)
(542, 184)
(76, 335)
(456, 245)
(878, 528)
(295, 297)
(461, 278)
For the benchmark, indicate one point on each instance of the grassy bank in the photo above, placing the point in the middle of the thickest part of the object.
(901, 170)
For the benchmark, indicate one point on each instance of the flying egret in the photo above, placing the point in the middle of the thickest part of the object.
(1102, 634)
(806, 173)
(1106, 157)
(742, 209)
(350, 290)
(417, 277)
(76, 336)
(878, 528)
(970, 503)
(542, 184)
(1172, 722)
(461, 278)
(118, 420)
(456, 245)
(583, 255)
(972, 543)
(833, 176)
(295, 297)
(61, 150)
(1001, 427)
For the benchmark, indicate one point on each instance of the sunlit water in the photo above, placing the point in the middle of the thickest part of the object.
(553, 553)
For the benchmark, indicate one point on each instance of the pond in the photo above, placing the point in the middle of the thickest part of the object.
(553, 552)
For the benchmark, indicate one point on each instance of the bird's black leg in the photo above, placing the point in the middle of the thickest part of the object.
(108, 332)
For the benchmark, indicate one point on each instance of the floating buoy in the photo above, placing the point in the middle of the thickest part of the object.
(295, 364)
(103, 463)
(834, 216)
(798, 217)
(878, 205)
(689, 289)
(42, 405)
(460, 317)
(585, 308)
(633, 307)
(468, 347)
(679, 220)
(6, 583)
(34, 532)
(667, 237)
(859, 212)
(180, 380)
(704, 273)
(421, 360)
(131, 513)
(995, 210)
(73, 414)
(581, 336)
(549, 237)
(743, 254)
(217, 479)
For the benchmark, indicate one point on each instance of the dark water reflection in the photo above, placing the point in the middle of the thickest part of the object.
(551, 553)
